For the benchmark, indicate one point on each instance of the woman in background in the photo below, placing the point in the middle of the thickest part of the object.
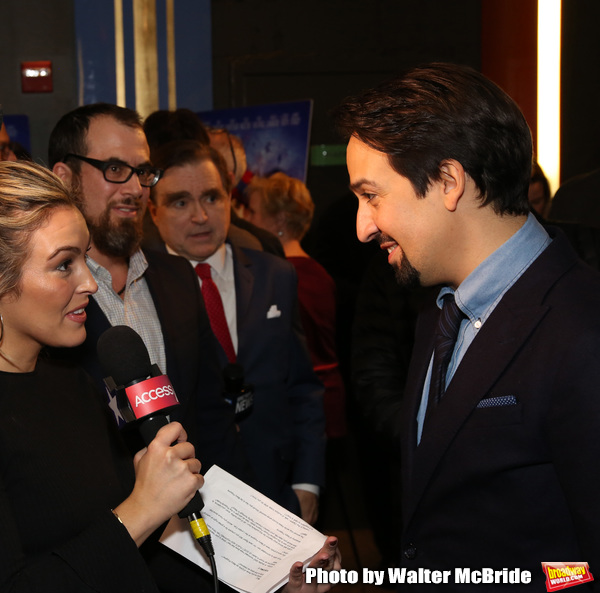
(283, 205)
(74, 506)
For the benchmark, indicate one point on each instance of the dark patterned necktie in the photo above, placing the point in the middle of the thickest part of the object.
(215, 310)
(445, 339)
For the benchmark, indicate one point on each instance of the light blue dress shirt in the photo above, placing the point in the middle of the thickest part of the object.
(480, 292)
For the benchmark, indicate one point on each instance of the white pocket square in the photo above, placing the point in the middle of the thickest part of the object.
(273, 312)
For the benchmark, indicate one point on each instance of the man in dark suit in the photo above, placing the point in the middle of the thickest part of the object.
(257, 324)
(101, 152)
(501, 412)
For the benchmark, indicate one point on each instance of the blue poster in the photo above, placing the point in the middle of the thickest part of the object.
(276, 136)
(17, 128)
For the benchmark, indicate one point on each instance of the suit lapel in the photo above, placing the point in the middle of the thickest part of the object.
(156, 292)
(421, 356)
(244, 286)
(164, 312)
(501, 338)
(504, 333)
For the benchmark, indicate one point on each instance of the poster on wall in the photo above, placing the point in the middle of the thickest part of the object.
(17, 128)
(276, 136)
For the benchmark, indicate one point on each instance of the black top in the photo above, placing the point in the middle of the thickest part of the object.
(63, 467)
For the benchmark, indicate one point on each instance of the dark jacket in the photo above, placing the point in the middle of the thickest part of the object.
(511, 485)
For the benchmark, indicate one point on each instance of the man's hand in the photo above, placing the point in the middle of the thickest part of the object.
(327, 558)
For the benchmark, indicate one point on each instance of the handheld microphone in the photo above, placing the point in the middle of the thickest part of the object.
(144, 396)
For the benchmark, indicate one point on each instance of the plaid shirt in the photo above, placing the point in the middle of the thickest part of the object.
(136, 308)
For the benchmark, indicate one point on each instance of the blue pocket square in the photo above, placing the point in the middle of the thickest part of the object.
(497, 402)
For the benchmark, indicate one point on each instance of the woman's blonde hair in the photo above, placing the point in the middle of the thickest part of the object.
(28, 194)
(281, 194)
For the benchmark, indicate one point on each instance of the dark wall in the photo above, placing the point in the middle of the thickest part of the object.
(266, 51)
(580, 127)
(34, 30)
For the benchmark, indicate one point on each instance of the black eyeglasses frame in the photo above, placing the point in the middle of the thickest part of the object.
(104, 165)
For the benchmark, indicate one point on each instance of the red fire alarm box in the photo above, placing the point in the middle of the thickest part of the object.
(36, 77)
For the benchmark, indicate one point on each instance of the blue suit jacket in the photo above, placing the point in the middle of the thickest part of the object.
(284, 437)
(511, 482)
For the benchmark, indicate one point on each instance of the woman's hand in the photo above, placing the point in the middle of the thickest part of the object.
(167, 477)
(327, 558)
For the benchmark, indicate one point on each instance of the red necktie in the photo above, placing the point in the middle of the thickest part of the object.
(215, 310)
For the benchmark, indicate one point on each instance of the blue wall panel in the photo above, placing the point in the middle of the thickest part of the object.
(129, 50)
(161, 46)
(95, 34)
(95, 37)
(193, 40)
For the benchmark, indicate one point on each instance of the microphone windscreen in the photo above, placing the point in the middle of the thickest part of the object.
(123, 355)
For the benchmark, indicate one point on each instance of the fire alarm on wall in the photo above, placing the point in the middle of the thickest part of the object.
(36, 77)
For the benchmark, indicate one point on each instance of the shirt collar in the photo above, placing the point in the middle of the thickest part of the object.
(479, 293)
(217, 260)
(137, 267)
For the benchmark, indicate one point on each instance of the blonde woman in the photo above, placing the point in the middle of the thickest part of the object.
(74, 506)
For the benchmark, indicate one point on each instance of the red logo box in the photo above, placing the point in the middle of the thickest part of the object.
(151, 396)
(560, 575)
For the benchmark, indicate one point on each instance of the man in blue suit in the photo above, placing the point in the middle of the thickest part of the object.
(501, 413)
(256, 323)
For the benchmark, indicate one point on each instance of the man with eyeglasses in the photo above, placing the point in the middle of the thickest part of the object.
(101, 151)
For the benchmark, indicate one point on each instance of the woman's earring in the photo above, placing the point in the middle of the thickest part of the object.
(1, 327)
(280, 233)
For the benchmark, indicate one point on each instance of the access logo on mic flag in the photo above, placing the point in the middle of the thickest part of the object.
(560, 575)
(151, 396)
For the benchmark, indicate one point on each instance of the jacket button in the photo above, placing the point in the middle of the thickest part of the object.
(410, 552)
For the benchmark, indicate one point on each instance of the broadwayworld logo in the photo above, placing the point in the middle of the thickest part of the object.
(560, 575)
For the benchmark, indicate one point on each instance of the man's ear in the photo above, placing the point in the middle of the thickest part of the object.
(453, 180)
(64, 172)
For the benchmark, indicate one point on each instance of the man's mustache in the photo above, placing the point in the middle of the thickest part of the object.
(383, 238)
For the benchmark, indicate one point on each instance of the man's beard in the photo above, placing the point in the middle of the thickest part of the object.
(120, 238)
(115, 238)
(406, 275)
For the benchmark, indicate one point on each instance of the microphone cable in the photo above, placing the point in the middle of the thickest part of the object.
(202, 535)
